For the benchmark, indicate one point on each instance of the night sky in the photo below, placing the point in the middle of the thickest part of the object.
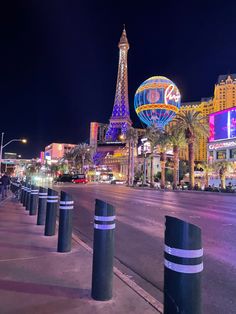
(59, 60)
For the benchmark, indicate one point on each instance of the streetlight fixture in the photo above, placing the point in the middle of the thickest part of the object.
(145, 142)
(22, 140)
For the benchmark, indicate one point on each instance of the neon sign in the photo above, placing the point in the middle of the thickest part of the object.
(222, 125)
(222, 145)
(172, 93)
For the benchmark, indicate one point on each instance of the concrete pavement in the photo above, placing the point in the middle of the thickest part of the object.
(34, 278)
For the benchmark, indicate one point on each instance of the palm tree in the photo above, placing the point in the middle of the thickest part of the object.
(206, 167)
(82, 153)
(223, 167)
(177, 140)
(54, 169)
(131, 140)
(163, 146)
(66, 162)
(194, 126)
(153, 135)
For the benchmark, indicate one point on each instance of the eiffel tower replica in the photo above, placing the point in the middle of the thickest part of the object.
(120, 119)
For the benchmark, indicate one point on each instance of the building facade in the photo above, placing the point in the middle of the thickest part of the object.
(224, 98)
(56, 151)
(224, 150)
(222, 139)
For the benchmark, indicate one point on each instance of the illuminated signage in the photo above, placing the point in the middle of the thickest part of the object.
(222, 145)
(222, 125)
(172, 93)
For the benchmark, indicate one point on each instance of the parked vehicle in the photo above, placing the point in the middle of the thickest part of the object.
(63, 178)
(116, 181)
(79, 178)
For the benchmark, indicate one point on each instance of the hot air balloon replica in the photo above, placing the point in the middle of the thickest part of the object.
(157, 101)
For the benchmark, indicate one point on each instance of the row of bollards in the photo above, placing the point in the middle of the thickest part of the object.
(44, 203)
(183, 249)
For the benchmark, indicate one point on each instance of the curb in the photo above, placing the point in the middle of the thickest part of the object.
(135, 287)
(180, 191)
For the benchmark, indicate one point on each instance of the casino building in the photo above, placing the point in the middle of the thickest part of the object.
(224, 98)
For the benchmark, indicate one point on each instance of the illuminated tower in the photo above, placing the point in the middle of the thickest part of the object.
(120, 119)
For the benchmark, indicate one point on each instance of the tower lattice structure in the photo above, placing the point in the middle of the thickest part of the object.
(120, 119)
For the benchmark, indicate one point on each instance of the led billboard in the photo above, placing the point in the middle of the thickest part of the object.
(222, 124)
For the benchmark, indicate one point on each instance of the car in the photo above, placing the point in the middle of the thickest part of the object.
(79, 178)
(185, 185)
(116, 181)
(63, 178)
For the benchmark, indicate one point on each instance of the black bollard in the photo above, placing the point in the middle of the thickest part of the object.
(51, 213)
(33, 200)
(183, 267)
(25, 195)
(22, 192)
(42, 204)
(103, 251)
(65, 223)
(28, 197)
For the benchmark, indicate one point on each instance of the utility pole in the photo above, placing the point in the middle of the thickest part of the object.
(1, 147)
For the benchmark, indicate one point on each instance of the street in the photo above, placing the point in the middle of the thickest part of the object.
(140, 235)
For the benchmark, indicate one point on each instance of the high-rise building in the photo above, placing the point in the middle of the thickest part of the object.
(120, 118)
(225, 92)
(224, 98)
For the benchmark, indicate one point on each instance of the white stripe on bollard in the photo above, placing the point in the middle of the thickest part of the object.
(66, 207)
(104, 227)
(52, 201)
(186, 269)
(104, 218)
(66, 202)
(183, 253)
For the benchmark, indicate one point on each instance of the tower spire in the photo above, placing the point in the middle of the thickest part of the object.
(120, 119)
(123, 39)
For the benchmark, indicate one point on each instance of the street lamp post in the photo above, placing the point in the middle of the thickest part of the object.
(2, 146)
(144, 168)
(145, 151)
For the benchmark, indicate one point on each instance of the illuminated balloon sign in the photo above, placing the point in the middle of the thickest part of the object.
(156, 101)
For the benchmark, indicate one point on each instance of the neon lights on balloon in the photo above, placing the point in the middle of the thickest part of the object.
(157, 101)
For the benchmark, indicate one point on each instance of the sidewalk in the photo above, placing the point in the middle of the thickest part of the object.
(34, 278)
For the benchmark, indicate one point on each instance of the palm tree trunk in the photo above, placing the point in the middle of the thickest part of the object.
(191, 163)
(207, 178)
(176, 166)
(132, 164)
(163, 170)
(151, 170)
(83, 158)
(222, 181)
(128, 170)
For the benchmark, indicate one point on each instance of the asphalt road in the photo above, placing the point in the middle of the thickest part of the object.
(140, 235)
